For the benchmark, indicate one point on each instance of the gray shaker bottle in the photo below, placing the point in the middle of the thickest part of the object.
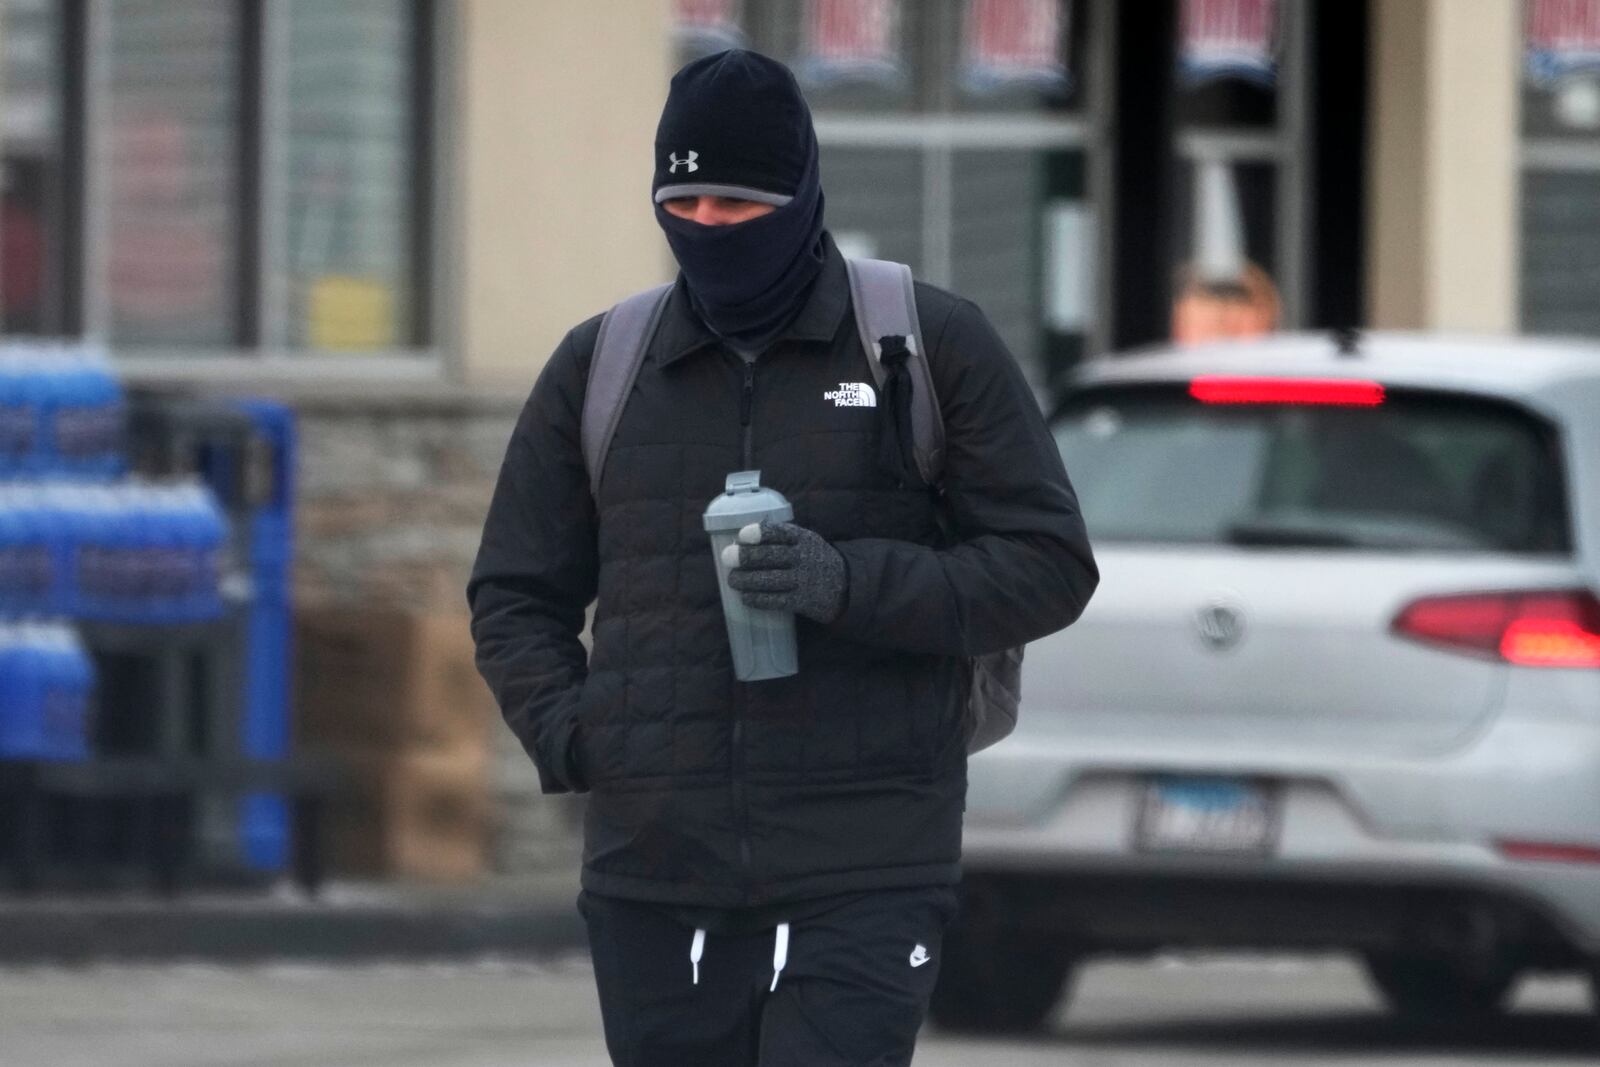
(762, 641)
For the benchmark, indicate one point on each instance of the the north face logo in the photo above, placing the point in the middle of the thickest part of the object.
(852, 395)
(688, 162)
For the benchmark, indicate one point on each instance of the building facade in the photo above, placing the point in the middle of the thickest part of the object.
(389, 211)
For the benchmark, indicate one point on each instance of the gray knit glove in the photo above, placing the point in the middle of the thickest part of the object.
(783, 567)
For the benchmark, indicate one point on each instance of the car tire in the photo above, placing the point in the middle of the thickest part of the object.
(994, 981)
(1594, 996)
(1433, 990)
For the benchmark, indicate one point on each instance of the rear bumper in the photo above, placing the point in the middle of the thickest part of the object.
(1060, 809)
(1117, 911)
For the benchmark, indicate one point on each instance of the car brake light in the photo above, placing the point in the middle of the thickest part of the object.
(1530, 629)
(1335, 392)
(1548, 852)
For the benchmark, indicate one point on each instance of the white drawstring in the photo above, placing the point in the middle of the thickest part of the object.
(780, 954)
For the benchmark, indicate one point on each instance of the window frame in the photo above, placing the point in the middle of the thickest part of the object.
(260, 350)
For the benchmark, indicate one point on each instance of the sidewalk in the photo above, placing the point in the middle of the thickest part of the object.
(503, 917)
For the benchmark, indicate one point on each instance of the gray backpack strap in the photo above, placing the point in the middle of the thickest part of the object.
(625, 333)
(886, 306)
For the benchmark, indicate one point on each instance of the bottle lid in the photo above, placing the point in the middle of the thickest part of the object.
(744, 502)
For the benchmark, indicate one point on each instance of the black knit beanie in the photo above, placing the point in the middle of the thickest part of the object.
(734, 125)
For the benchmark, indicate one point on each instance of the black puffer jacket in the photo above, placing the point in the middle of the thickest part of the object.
(852, 774)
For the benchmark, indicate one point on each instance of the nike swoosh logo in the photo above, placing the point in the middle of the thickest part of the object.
(918, 961)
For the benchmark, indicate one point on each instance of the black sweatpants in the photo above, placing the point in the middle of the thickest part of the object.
(852, 990)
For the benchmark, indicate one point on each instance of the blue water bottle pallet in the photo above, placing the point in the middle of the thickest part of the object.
(46, 691)
(128, 552)
(62, 413)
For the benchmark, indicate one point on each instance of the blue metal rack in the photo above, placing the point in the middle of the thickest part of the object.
(193, 710)
(265, 730)
(245, 451)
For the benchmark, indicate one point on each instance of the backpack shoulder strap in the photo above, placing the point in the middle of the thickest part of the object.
(886, 306)
(625, 333)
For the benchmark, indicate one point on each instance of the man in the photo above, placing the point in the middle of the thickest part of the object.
(768, 866)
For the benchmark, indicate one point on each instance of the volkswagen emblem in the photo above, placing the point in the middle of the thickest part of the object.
(1221, 626)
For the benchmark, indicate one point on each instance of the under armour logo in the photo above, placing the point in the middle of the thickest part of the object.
(688, 163)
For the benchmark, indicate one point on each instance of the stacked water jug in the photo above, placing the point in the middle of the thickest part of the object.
(79, 541)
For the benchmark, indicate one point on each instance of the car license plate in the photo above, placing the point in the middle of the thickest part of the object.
(1223, 815)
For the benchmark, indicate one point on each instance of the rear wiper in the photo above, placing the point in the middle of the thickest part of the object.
(1289, 535)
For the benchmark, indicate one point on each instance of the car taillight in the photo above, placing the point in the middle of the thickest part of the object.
(1335, 392)
(1548, 852)
(1558, 628)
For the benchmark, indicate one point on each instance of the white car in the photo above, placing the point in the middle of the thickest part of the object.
(1339, 687)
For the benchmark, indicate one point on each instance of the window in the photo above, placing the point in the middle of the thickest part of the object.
(172, 173)
(1561, 167)
(36, 173)
(346, 259)
(875, 201)
(255, 174)
(1421, 472)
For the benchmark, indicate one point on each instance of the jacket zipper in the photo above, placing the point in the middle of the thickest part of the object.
(747, 401)
(741, 812)
(747, 397)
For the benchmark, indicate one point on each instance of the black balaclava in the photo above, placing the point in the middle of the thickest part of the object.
(736, 125)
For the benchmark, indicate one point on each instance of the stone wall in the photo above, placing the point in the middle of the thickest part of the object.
(392, 496)
(392, 501)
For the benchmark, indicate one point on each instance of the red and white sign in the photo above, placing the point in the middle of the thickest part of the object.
(1563, 37)
(1011, 42)
(1228, 39)
(851, 40)
(709, 23)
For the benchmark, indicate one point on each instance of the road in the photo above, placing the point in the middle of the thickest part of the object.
(1221, 1011)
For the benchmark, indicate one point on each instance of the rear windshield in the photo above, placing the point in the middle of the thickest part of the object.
(1420, 472)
